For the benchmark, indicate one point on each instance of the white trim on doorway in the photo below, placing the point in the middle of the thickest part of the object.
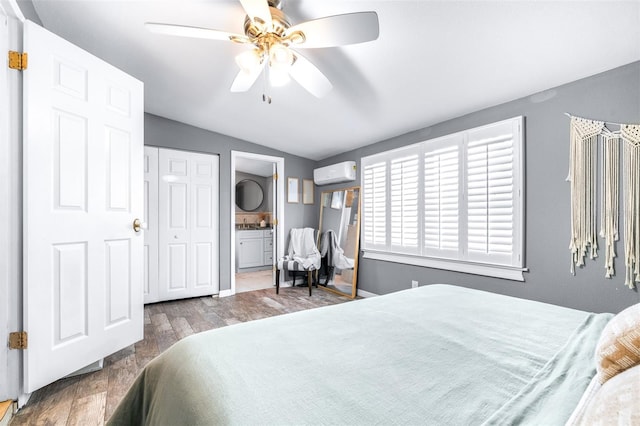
(279, 208)
(11, 25)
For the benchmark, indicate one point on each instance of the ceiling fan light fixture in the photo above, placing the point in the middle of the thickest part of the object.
(249, 61)
(268, 30)
(280, 56)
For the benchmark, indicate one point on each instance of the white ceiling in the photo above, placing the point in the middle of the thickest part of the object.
(434, 60)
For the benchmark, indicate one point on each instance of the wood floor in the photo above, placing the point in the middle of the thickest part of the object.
(90, 399)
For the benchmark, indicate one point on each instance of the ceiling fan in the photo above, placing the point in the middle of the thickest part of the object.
(274, 43)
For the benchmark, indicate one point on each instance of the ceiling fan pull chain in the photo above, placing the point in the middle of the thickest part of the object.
(266, 95)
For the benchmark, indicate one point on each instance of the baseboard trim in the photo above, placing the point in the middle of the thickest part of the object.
(225, 293)
(23, 399)
(364, 293)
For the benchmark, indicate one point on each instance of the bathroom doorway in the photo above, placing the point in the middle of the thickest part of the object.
(257, 194)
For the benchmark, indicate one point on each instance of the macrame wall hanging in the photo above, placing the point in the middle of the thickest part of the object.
(584, 136)
(609, 196)
(582, 174)
(631, 169)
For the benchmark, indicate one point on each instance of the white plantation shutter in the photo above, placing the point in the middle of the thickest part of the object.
(441, 200)
(455, 198)
(490, 194)
(404, 179)
(374, 202)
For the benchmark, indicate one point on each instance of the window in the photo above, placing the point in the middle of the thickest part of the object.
(374, 229)
(454, 202)
(404, 203)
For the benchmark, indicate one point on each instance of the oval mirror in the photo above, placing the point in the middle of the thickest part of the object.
(249, 195)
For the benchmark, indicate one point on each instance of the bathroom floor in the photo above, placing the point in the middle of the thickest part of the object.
(250, 281)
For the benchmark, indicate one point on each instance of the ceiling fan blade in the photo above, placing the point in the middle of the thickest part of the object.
(309, 76)
(338, 30)
(257, 9)
(244, 80)
(195, 32)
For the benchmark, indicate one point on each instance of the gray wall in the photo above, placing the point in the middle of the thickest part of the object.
(614, 96)
(166, 133)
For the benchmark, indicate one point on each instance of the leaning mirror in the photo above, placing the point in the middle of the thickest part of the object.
(249, 195)
(338, 240)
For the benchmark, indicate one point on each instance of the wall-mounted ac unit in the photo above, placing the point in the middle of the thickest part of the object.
(340, 172)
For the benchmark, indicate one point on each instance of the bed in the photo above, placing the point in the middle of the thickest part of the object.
(438, 354)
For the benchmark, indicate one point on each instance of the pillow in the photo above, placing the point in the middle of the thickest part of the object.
(616, 402)
(619, 346)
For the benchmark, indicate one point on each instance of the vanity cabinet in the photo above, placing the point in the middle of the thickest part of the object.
(254, 248)
(250, 249)
(267, 240)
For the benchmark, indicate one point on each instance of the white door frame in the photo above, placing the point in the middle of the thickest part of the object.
(279, 209)
(10, 203)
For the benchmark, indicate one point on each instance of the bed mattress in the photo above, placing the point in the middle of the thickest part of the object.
(438, 354)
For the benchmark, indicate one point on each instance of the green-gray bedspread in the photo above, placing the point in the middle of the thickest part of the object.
(436, 355)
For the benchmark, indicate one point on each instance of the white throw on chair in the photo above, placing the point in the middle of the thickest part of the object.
(302, 255)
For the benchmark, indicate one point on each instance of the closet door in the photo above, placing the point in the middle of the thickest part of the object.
(188, 224)
(151, 234)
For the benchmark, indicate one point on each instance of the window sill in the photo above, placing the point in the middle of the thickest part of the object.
(496, 271)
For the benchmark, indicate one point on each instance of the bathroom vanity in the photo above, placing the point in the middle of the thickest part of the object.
(254, 249)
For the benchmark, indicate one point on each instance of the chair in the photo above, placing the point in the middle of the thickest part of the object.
(302, 255)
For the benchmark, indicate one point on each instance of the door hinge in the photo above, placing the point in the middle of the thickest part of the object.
(17, 60)
(275, 176)
(275, 222)
(18, 340)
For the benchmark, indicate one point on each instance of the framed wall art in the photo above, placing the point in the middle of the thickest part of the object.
(292, 190)
(307, 191)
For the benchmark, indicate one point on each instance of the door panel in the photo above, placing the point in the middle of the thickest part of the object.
(70, 161)
(151, 219)
(83, 137)
(204, 265)
(118, 179)
(203, 204)
(177, 267)
(70, 291)
(118, 281)
(204, 212)
(251, 252)
(188, 224)
(177, 206)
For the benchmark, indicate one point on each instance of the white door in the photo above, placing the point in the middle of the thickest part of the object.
(83, 139)
(188, 224)
(275, 222)
(151, 219)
